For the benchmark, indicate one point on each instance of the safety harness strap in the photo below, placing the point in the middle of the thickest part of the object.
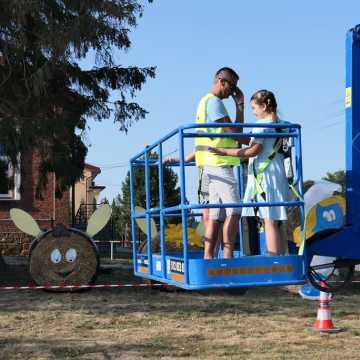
(258, 176)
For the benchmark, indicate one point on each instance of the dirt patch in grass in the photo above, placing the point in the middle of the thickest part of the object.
(140, 323)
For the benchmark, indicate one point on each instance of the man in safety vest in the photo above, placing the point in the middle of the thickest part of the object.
(223, 187)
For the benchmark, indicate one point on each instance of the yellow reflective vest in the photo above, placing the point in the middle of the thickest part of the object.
(202, 155)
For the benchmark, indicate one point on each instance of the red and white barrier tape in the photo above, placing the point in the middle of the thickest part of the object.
(70, 287)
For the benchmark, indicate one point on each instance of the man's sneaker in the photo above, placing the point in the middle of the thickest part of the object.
(308, 292)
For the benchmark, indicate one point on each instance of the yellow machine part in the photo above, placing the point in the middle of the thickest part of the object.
(311, 218)
(173, 236)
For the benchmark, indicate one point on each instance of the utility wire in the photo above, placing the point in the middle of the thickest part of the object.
(333, 124)
(122, 165)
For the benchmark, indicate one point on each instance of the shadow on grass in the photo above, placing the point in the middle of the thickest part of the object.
(74, 348)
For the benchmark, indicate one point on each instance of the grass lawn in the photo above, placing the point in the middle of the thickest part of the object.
(141, 323)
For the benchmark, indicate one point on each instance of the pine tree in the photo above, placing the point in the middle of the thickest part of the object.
(46, 98)
(121, 204)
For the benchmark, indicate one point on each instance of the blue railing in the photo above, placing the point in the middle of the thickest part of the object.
(142, 159)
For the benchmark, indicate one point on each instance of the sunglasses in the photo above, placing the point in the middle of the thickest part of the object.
(231, 84)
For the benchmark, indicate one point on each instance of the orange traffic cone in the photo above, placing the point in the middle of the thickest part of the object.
(323, 322)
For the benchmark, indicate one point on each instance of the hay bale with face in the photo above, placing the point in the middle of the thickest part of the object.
(63, 256)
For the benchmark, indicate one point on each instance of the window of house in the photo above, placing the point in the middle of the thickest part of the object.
(9, 178)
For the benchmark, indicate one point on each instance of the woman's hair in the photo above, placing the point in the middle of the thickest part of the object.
(267, 98)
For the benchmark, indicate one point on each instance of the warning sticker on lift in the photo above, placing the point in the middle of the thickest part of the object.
(348, 96)
(176, 269)
(175, 266)
(142, 264)
(143, 261)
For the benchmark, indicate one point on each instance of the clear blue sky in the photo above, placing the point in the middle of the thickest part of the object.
(295, 49)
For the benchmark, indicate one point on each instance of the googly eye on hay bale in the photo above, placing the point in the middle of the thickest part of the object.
(63, 256)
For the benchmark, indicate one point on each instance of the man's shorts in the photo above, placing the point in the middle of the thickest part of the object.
(203, 191)
(223, 188)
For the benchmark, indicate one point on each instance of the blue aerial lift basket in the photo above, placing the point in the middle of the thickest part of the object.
(187, 269)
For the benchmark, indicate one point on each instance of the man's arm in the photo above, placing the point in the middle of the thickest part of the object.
(245, 153)
(190, 157)
(226, 119)
(239, 113)
(217, 109)
(238, 98)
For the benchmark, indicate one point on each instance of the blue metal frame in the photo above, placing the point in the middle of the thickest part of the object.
(346, 242)
(188, 269)
(352, 113)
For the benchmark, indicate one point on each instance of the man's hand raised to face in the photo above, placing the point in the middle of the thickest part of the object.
(238, 97)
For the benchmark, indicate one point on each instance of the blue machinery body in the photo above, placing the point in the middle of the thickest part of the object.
(188, 269)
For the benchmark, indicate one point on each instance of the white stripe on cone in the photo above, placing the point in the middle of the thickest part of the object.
(323, 314)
